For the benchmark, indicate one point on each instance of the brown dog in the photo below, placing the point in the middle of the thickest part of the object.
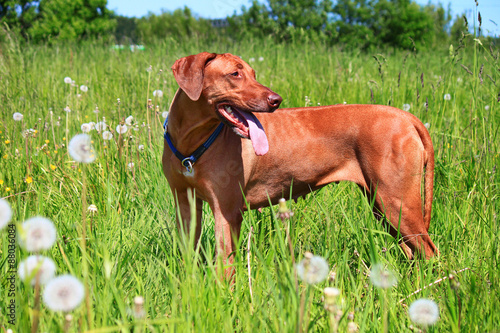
(382, 149)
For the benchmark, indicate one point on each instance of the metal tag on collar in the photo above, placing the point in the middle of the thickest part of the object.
(188, 164)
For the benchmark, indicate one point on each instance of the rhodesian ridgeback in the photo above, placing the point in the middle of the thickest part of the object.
(240, 158)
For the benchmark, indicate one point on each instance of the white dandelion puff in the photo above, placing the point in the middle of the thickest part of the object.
(251, 60)
(312, 269)
(107, 135)
(427, 125)
(382, 278)
(84, 88)
(5, 213)
(164, 114)
(129, 120)
(67, 109)
(92, 209)
(121, 129)
(138, 311)
(80, 149)
(140, 147)
(17, 116)
(149, 69)
(261, 59)
(100, 126)
(424, 312)
(487, 107)
(37, 234)
(92, 125)
(63, 293)
(67, 80)
(131, 165)
(447, 97)
(158, 93)
(406, 107)
(85, 128)
(35, 265)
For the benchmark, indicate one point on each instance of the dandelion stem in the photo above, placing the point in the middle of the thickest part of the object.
(83, 244)
(248, 263)
(36, 306)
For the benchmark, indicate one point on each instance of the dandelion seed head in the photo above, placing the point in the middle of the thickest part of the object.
(67, 109)
(67, 80)
(158, 93)
(164, 114)
(312, 269)
(487, 107)
(107, 135)
(5, 213)
(92, 125)
(352, 327)
(121, 129)
(100, 126)
(140, 147)
(38, 233)
(129, 120)
(35, 265)
(17, 116)
(251, 60)
(63, 293)
(130, 165)
(382, 278)
(85, 128)
(84, 88)
(261, 59)
(138, 311)
(406, 107)
(427, 125)
(447, 97)
(80, 149)
(424, 312)
(92, 209)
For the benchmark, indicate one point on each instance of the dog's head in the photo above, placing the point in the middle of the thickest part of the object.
(228, 84)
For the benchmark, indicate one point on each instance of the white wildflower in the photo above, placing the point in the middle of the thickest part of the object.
(138, 311)
(92, 125)
(121, 129)
(251, 60)
(17, 116)
(92, 208)
(427, 125)
(164, 114)
(63, 293)
(100, 126)
(447, 97)
(312, 269)
(487, 107)
(158, 93)
(37, 234)
(140, 147)
(129, 120)
(85, 128)
(67, 80)
(406, 107)
(382, 278)
(84, 88)
(424, 312)
(35, 265)
(131, 165)
(261, 59)
(107, 135)
(5, 213)
(80, 149)
(67, 109)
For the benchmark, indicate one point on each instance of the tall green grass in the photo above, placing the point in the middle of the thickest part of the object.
(133, 246)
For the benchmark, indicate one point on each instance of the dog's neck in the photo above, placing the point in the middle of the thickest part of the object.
(190, 122)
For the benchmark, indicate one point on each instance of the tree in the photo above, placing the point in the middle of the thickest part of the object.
(17, 14)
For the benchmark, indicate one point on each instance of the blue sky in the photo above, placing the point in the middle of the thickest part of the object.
(489, 9)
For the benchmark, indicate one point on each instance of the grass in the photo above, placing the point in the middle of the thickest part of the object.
(133, 247)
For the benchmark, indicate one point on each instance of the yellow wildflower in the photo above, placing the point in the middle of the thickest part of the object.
(5, 156)
(29, 180)
(1, 181)
(53, 167)
(64, 139)
(47, 141)
(7, 142)
(7, 189)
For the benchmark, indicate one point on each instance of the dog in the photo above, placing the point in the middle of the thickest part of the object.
(240, 160)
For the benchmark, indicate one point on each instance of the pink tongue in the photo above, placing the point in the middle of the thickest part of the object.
(257, 134)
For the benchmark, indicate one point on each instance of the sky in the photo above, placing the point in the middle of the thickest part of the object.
(489, 9)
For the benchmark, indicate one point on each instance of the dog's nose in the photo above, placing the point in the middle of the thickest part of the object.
(274, 100)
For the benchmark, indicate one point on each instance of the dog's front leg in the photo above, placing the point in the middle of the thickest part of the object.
(227, 233)
(185, 220)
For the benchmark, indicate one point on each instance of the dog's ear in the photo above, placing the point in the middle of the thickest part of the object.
(189, 72)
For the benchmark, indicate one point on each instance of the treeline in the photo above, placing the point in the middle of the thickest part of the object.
(351, 23)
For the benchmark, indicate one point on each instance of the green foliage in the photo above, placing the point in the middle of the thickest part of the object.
(179, 25)
(71, 20)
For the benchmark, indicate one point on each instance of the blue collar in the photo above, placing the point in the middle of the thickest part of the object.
(189, 161)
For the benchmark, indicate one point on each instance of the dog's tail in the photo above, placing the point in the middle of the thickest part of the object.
(429, 170)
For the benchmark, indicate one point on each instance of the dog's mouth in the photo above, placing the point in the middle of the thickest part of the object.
(246, 125)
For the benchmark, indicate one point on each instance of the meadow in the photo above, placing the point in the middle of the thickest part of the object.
(127, 244)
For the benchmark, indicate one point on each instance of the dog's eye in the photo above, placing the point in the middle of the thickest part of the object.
(235, 74)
